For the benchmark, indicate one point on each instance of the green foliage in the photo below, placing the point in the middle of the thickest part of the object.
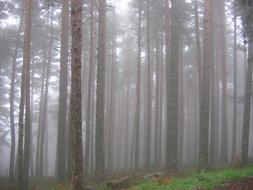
(203, 180)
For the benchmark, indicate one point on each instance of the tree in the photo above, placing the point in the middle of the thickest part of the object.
(172, 64)
(224, 131)
(62, 113)
(234, 151)
(75, 99)
(205, 87)
(247, 17)
(100, 104)
(12, 92)
(88, 114)
(138, 92)
(149, 89)
(24, 154)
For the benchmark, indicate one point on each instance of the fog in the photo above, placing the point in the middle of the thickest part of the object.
(97, 88)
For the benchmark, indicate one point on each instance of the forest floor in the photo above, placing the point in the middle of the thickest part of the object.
(220, 179)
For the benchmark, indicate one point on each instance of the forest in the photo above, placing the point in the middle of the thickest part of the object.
(126, 94)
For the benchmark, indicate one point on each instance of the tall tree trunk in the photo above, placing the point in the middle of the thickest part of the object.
(26, 61)
(12, 92)
(138, 94)
(199, 67)
(224, 130)
(172, 64)
(205, 87)
(112, 98)
(63, 95)
(234, 149)
(75, 100)
(45, 107)
(88, 114)
(157, 100)
(196, 17)
(149, 91)
(126, 112)
(32, 106)
(37, 170)
(21, 133)
(247, 107)
(100, 104)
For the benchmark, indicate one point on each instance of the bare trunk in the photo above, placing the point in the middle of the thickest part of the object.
(76, 98)
(138, 94)
(61, 162)
(205, 87)
(100, 105)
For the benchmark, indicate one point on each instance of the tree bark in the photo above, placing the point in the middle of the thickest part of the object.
(63, 94)
(26, 61)
(12, 92)
(205, 87)
(247, 107)
(138, 93)
(100, 104)
(75, 100)
(234, 147)
(149, 90)
(224, 130)
(172, 64)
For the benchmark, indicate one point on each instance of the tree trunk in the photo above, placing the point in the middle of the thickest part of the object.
(234, 149)
(149, 91)
(88, 114)
(247, 107)
(63, 94)
(138, 94)
(205, 87)
(26, 60)
(112, 98)
(100, 104)
(172, 64)
(12, 92)
(224, 130)
(75, 100)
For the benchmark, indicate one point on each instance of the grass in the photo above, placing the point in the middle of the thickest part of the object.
(203, 180)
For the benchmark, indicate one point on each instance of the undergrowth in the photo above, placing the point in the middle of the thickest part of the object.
(203, 180)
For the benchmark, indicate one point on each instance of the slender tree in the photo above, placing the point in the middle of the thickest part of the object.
(24, 144)
(62, 122)
(149, 89)
(224, 131)
(138, 92)
(12, 92)
(205, 87)
(100, 104)
(88, 114)
(172, 64)
(234, 151)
